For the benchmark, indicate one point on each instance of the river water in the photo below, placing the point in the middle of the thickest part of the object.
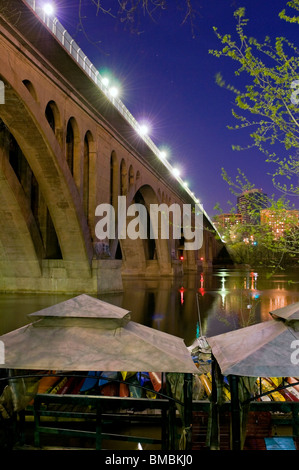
(212, 302)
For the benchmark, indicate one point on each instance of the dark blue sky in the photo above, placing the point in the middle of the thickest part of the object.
(168, 76)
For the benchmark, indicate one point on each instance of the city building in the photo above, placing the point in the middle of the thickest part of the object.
(250, 203)
(226, 221)
(280, 220)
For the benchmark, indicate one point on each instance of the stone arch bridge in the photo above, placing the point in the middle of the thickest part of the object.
(66, 147)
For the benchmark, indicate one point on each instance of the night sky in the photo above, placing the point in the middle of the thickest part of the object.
(167, 77)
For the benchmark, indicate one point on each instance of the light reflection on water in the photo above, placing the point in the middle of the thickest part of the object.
(227, 300)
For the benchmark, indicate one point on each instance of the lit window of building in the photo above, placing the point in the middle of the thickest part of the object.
(280, 220)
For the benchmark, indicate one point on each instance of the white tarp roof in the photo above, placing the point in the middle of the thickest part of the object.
(267, 349)
(85, 333)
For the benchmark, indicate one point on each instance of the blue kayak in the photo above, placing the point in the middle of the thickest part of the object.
(107, 377)
(90, 381)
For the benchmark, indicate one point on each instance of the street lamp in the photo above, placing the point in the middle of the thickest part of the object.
(176, 172)
(48, 9)
(144, 129)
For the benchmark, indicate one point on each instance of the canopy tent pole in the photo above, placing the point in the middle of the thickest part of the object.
(188, 386)
(214, 433)
(235, 413)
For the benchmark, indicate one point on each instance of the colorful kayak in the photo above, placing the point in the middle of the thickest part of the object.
(294, 381)
(134, 387)
(268, 387)
(207, 384)
(295, 386)
(156, 379)
(108, 377)
(124, 390)
(143, 378)
(77, 388)
(110, 389)
(47, 383)
(90, 381)
(285, 392)
(126, 375)
(58, 386)
(68, 386)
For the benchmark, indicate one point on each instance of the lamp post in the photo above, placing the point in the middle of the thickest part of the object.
(235, 413)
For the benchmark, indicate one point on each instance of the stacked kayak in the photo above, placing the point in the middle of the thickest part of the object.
(265, 386)
(121, 384)
(201, 355)
(149, 384)
(206, 380)
(290, 393)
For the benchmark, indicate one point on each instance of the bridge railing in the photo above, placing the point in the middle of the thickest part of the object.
(76, 52)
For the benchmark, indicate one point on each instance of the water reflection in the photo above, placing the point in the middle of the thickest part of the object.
(227, 299)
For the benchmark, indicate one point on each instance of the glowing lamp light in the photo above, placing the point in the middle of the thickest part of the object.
(182, 290)
(113, 91)
(182, 258)
(144, 129)
(48, 9)
(163, 154)
(105, 81)
(176, 172)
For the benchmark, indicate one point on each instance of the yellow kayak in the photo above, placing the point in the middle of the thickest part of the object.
(225, 389)
(267, 387)
(207, 384)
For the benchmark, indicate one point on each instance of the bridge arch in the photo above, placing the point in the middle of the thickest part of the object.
(72, 149)
(53, 117)
(89, 186)
(113, 179)
(148, 256)
(30, 87)
(131, 177)
(44, 156)
(123, 178)
(21, 247)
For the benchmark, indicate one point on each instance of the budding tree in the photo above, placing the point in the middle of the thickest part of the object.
(268, 105)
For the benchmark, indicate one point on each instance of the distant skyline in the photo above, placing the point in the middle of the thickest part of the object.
(167, 77)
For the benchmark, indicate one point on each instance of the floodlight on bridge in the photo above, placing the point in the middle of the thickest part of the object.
(144, 129)
(48, 9)
(113, 91)
(163, 154)
(176, 172)
(105, 81)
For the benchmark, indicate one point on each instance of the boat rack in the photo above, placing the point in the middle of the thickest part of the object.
(265, 421)
(100, 411)
(103, 410)
(278, 408)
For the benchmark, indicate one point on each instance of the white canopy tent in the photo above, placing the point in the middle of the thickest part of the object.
(267, 349)
(87, 334)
